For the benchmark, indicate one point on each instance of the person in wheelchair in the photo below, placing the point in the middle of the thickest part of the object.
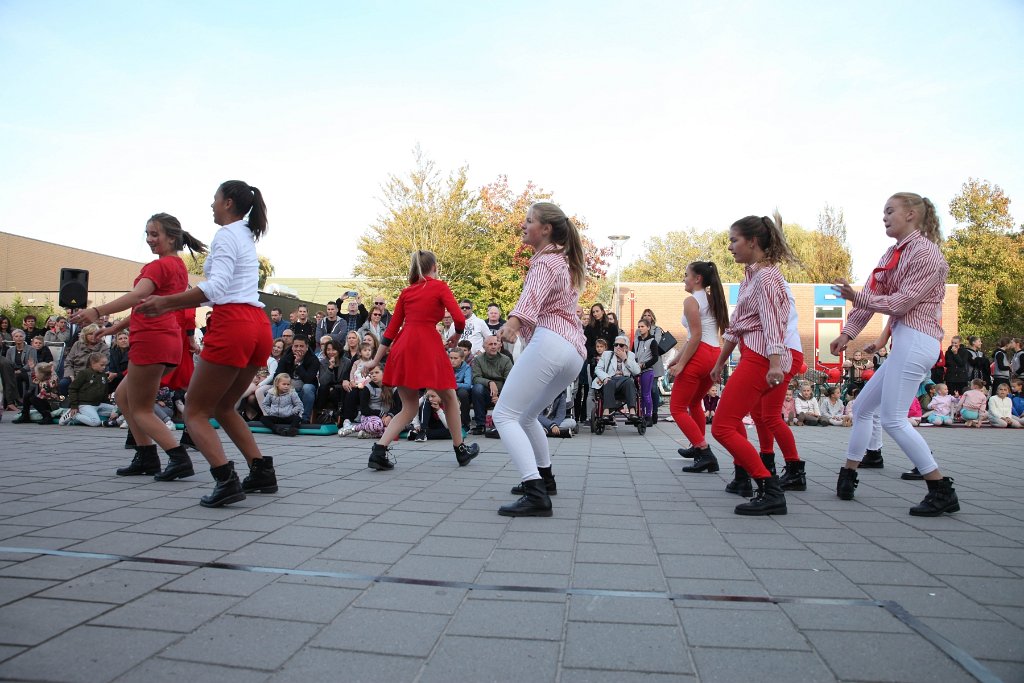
(614, 376)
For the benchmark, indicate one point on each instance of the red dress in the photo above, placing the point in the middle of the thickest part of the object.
(418, 359)
(158, 340)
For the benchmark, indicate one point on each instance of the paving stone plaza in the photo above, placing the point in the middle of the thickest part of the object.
(643, 573)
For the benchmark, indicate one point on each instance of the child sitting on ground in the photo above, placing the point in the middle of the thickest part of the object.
(377, 405)
(1017, 397)
(89, 394)
(851, 396)
(925, 399)
(430, 421)
(1000, 408)
(282, 407)
(832, 407)
(42, 395)
(807, 410)
(711, 403)
(789, 408)
(914, 414)
(941, 406)
(973, 403)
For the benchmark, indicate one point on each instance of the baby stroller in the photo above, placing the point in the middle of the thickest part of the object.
(598, 420)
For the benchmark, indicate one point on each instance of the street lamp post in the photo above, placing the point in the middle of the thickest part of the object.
(617, 241)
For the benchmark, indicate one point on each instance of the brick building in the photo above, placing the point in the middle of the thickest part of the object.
(820, 311)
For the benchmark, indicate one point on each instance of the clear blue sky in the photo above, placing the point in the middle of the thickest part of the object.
(642, 117)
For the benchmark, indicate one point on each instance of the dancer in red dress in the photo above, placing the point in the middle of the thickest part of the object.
(418, 359)
(155, 348)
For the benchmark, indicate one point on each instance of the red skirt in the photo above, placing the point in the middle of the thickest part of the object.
(158, 347)
(418, 360)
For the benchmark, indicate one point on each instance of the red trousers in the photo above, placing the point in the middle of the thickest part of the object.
(688, 391)
(746, 388)
(767, 416)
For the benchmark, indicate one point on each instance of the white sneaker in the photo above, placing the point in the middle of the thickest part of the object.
(344, 431)
(363, 435)
(65, 419)
(124, 422)
(347, 425)
(170, 425)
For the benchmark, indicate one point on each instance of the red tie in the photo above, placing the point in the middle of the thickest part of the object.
(888, 266)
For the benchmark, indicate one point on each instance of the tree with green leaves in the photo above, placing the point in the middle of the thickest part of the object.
(476, 235)
(823, 255)
(426, 211)
(986, 257)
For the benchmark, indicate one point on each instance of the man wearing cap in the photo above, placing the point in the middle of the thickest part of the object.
(615, 372)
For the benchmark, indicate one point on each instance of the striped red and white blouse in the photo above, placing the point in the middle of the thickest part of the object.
(910, 293)
(549, 300)
(762, 310)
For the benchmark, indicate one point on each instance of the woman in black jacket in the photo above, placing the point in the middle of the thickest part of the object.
(979, 366)
(334, 369)
(958, 365)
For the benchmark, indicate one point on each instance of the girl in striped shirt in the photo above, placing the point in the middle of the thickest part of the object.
(908, 285)
(545, 316)
(758, 325)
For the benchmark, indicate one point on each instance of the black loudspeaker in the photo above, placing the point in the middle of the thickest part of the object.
(74, 288)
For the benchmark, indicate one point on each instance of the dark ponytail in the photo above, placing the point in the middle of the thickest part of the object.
(767, 233)
(247, 200)
(182, 239)
(712, 282)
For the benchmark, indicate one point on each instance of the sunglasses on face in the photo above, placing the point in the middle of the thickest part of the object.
(622, 345)
(378, 303)
(466, 308)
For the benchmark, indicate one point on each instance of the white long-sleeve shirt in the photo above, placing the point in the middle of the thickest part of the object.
(807, 405)
(1000, 407)
(232, 269)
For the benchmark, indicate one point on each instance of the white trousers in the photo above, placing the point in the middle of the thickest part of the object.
(547, 365)
(887, 396)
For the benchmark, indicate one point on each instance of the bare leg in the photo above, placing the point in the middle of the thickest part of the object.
(213, 386)
(232, 423)
(453, 414)
(410, 404)
(140, 386)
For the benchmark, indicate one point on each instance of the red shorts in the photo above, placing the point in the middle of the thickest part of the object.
(155, 347)
(238, 335)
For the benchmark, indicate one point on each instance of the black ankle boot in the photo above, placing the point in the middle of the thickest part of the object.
(186, 440)
(768, 460)
(740, 484)
(534, 503)
(261, 478)
(465, 452)
(690, 452)
(793, 478)
(129, 441)
(941, 498)
(25, 417)
(873, 459)
(912, 475)
(379, 458)
(703, 461)
(226, 489)
(769, 499)
(146, 461)
(549, 483)
(847, 483)
(179, 465)
(48, 418)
